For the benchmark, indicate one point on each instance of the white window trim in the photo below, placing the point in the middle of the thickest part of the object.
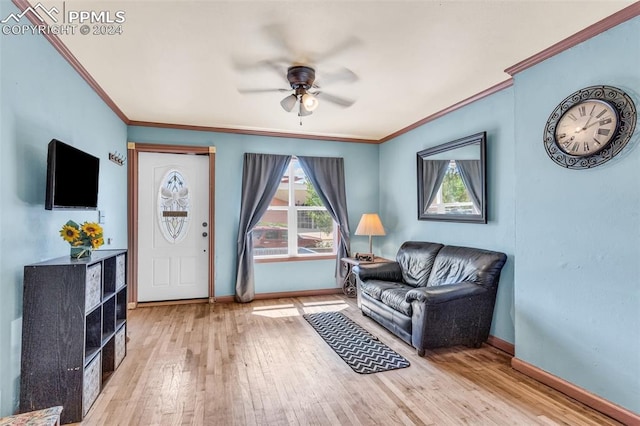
(292, 223)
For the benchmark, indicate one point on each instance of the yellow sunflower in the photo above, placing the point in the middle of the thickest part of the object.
(91, 229)
(69, 233)
(97, 242)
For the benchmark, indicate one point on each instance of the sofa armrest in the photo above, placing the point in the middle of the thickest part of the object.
(379, 271)
(444, 293)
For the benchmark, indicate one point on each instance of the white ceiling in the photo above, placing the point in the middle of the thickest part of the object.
(182, 62)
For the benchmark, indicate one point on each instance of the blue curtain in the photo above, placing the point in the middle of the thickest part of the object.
(261, 176)
(433, 172)
(327, 176)
(472, 179)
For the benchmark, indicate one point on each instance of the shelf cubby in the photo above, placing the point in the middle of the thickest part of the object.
(121, 307)
(108, 358)
(108, 319)
(109, 284)
(93, 333)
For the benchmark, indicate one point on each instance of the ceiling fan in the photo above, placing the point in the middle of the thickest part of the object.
(306, 93)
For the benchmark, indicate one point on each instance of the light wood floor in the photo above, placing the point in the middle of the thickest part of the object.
(263, 364)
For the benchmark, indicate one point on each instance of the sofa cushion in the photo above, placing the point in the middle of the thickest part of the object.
(416, 260)
(375, 288)
(458, 264)
(395, 299)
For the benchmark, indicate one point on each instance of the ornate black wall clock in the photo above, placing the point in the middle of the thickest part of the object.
(590, 127)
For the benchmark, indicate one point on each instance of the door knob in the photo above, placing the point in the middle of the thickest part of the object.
(204, 234)
(204, 224)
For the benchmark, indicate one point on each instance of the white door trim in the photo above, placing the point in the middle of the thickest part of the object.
(132, 217)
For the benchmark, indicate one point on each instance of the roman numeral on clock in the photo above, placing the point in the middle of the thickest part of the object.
(604, 132)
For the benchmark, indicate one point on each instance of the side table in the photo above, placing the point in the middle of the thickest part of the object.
(349, 285)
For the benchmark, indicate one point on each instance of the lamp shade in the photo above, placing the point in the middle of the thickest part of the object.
(370, 224)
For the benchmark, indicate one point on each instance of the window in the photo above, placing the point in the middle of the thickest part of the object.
(296, 206)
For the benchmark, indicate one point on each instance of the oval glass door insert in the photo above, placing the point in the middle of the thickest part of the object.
(173, 206)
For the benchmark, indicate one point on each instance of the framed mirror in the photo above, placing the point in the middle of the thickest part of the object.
(452, 181)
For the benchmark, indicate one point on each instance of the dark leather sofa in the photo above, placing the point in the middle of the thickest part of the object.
(432, 295)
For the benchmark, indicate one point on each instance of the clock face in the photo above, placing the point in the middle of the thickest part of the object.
(586, 128)
(589, 127)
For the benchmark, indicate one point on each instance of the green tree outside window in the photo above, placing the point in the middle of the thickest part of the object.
(322, 219)
(453, 188)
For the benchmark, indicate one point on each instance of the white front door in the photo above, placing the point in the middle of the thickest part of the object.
(173, 228)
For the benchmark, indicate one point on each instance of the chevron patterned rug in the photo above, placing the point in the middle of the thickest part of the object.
(362, 351)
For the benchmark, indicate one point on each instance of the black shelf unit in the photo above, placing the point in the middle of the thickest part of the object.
(73, 332)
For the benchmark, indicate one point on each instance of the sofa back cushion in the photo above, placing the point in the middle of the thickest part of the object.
(457, 264)
(416, 260)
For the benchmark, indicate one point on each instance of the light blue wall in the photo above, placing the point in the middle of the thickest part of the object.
(571, 305)
(398, 192)
(577, 275)
(42, 97)
(361, 175)
(569, 295)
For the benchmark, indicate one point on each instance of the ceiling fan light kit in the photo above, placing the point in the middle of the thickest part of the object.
(289, 102)
(309, 101)
(302, 78)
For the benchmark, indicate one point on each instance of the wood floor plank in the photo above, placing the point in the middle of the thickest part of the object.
(263, 364)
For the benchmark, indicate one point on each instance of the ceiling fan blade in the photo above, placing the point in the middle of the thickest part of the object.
(346, 44)
(343, 102)
(276, 33)
(289, 102)
(344, 75)
(279, 65)
(263, 90)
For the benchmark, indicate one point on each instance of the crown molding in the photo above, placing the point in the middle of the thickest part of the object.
(599, 27)
(73, 61)
(490, 91)
(249, 132)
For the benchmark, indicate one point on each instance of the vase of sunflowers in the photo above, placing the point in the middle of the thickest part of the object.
(82, 238)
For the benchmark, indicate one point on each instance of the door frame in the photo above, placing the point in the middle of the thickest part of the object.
(133, 149)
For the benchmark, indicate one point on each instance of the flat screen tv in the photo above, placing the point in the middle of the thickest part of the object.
(72, 178)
